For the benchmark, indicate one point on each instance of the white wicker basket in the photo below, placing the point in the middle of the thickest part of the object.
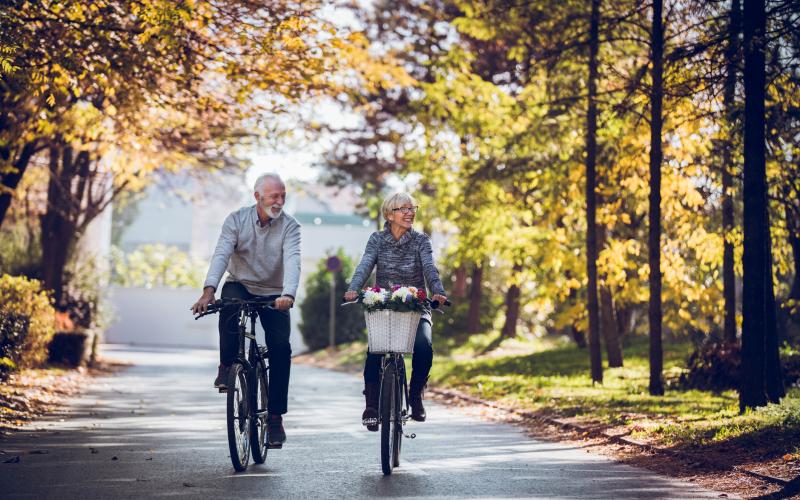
(391, 331)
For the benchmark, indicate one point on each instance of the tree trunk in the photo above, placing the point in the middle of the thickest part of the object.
(654, 231)
(754, 194)
(625, 320)
(773, 376)
(608, 328)
(595, 356)
(475, 295)
(729, 97)
(578, 337)
(10, 181)
(793, 224)
(460, 283)
(57, 224)
(512, 307)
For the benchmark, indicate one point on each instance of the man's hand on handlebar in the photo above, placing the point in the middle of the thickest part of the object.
(204, 301)
(350, 296)
(284, 303)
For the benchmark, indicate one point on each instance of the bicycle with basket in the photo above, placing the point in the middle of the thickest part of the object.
(392, 317)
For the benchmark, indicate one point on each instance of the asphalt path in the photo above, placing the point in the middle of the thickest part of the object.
(157, 429)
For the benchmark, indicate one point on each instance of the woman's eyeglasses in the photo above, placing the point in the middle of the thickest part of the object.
(406, 210)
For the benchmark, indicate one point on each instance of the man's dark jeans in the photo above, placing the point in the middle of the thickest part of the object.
(277, 327)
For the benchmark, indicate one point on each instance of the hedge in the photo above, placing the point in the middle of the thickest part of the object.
(27, 322)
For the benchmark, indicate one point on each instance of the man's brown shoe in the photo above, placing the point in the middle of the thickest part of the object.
(275, 433)
(221, 382)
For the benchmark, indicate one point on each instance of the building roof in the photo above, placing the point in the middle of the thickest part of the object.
(331, 219)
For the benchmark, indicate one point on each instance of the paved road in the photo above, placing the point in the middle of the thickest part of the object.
(157, 429)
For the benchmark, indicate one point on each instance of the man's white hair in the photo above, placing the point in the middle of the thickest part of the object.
(259, 185)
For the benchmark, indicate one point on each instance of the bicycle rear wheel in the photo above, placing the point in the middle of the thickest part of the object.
(238, 410)
(388, 387)
(258, 423)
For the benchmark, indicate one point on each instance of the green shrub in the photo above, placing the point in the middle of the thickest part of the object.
(714, 366)
(13, 330)
(20, 251)
(85, 296)
(22, 299)
(157, 265)
(315, 308)
(67, 348)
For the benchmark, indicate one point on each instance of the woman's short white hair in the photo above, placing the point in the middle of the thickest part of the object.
(259, 185)
(396, 200)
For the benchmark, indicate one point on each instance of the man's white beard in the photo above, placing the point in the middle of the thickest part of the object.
(274, 211)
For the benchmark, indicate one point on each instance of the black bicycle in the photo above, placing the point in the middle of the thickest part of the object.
(248, 386)
(393, 404)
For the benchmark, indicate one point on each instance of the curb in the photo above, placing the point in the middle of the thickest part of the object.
(623, 440)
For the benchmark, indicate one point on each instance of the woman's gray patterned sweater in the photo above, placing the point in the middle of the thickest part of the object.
(407, 261)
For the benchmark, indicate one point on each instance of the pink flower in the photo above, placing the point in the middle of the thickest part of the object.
(421, 294)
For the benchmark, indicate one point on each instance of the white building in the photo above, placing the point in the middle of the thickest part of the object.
(190, 219)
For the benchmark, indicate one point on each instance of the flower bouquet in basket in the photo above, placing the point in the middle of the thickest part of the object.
(392, 317)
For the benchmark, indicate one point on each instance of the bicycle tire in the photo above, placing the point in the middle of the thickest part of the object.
(258, 422)
(397, 427)
(238, 413)
(388, 386)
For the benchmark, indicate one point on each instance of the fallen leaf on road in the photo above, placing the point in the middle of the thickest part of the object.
(12, 460)
(188, 485)
(114, 458)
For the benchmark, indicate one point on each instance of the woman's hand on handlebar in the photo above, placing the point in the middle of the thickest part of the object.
(204, 301)
(439, 298)
(350, 296)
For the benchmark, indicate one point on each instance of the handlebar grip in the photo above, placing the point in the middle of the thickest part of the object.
(435, 303)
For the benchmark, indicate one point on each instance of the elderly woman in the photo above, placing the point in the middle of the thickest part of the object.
(403, 256)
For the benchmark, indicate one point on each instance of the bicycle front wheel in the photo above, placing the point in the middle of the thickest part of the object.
(238, 410)
(388, 387)
(397, 425)
(258, 423)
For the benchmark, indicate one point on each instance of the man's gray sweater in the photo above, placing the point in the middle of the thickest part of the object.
(266, 260)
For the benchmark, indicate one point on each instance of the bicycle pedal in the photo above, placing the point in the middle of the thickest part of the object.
(223, 389)
(410, 436)
(276, 446)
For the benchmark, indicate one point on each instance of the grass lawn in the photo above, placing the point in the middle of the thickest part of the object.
(552, 377)
(555, 380)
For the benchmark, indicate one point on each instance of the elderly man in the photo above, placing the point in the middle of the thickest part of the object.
(260, 248)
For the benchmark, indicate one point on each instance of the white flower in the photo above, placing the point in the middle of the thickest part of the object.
(403, 293)
(372, 298)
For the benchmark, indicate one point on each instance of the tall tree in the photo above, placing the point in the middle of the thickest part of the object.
(654, 313)
(475, 297)
(512, 303)
(591, 197)
(729, 102)
(755, 259)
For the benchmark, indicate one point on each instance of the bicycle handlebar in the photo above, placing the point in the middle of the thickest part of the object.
(218, 304)
(433, 303)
